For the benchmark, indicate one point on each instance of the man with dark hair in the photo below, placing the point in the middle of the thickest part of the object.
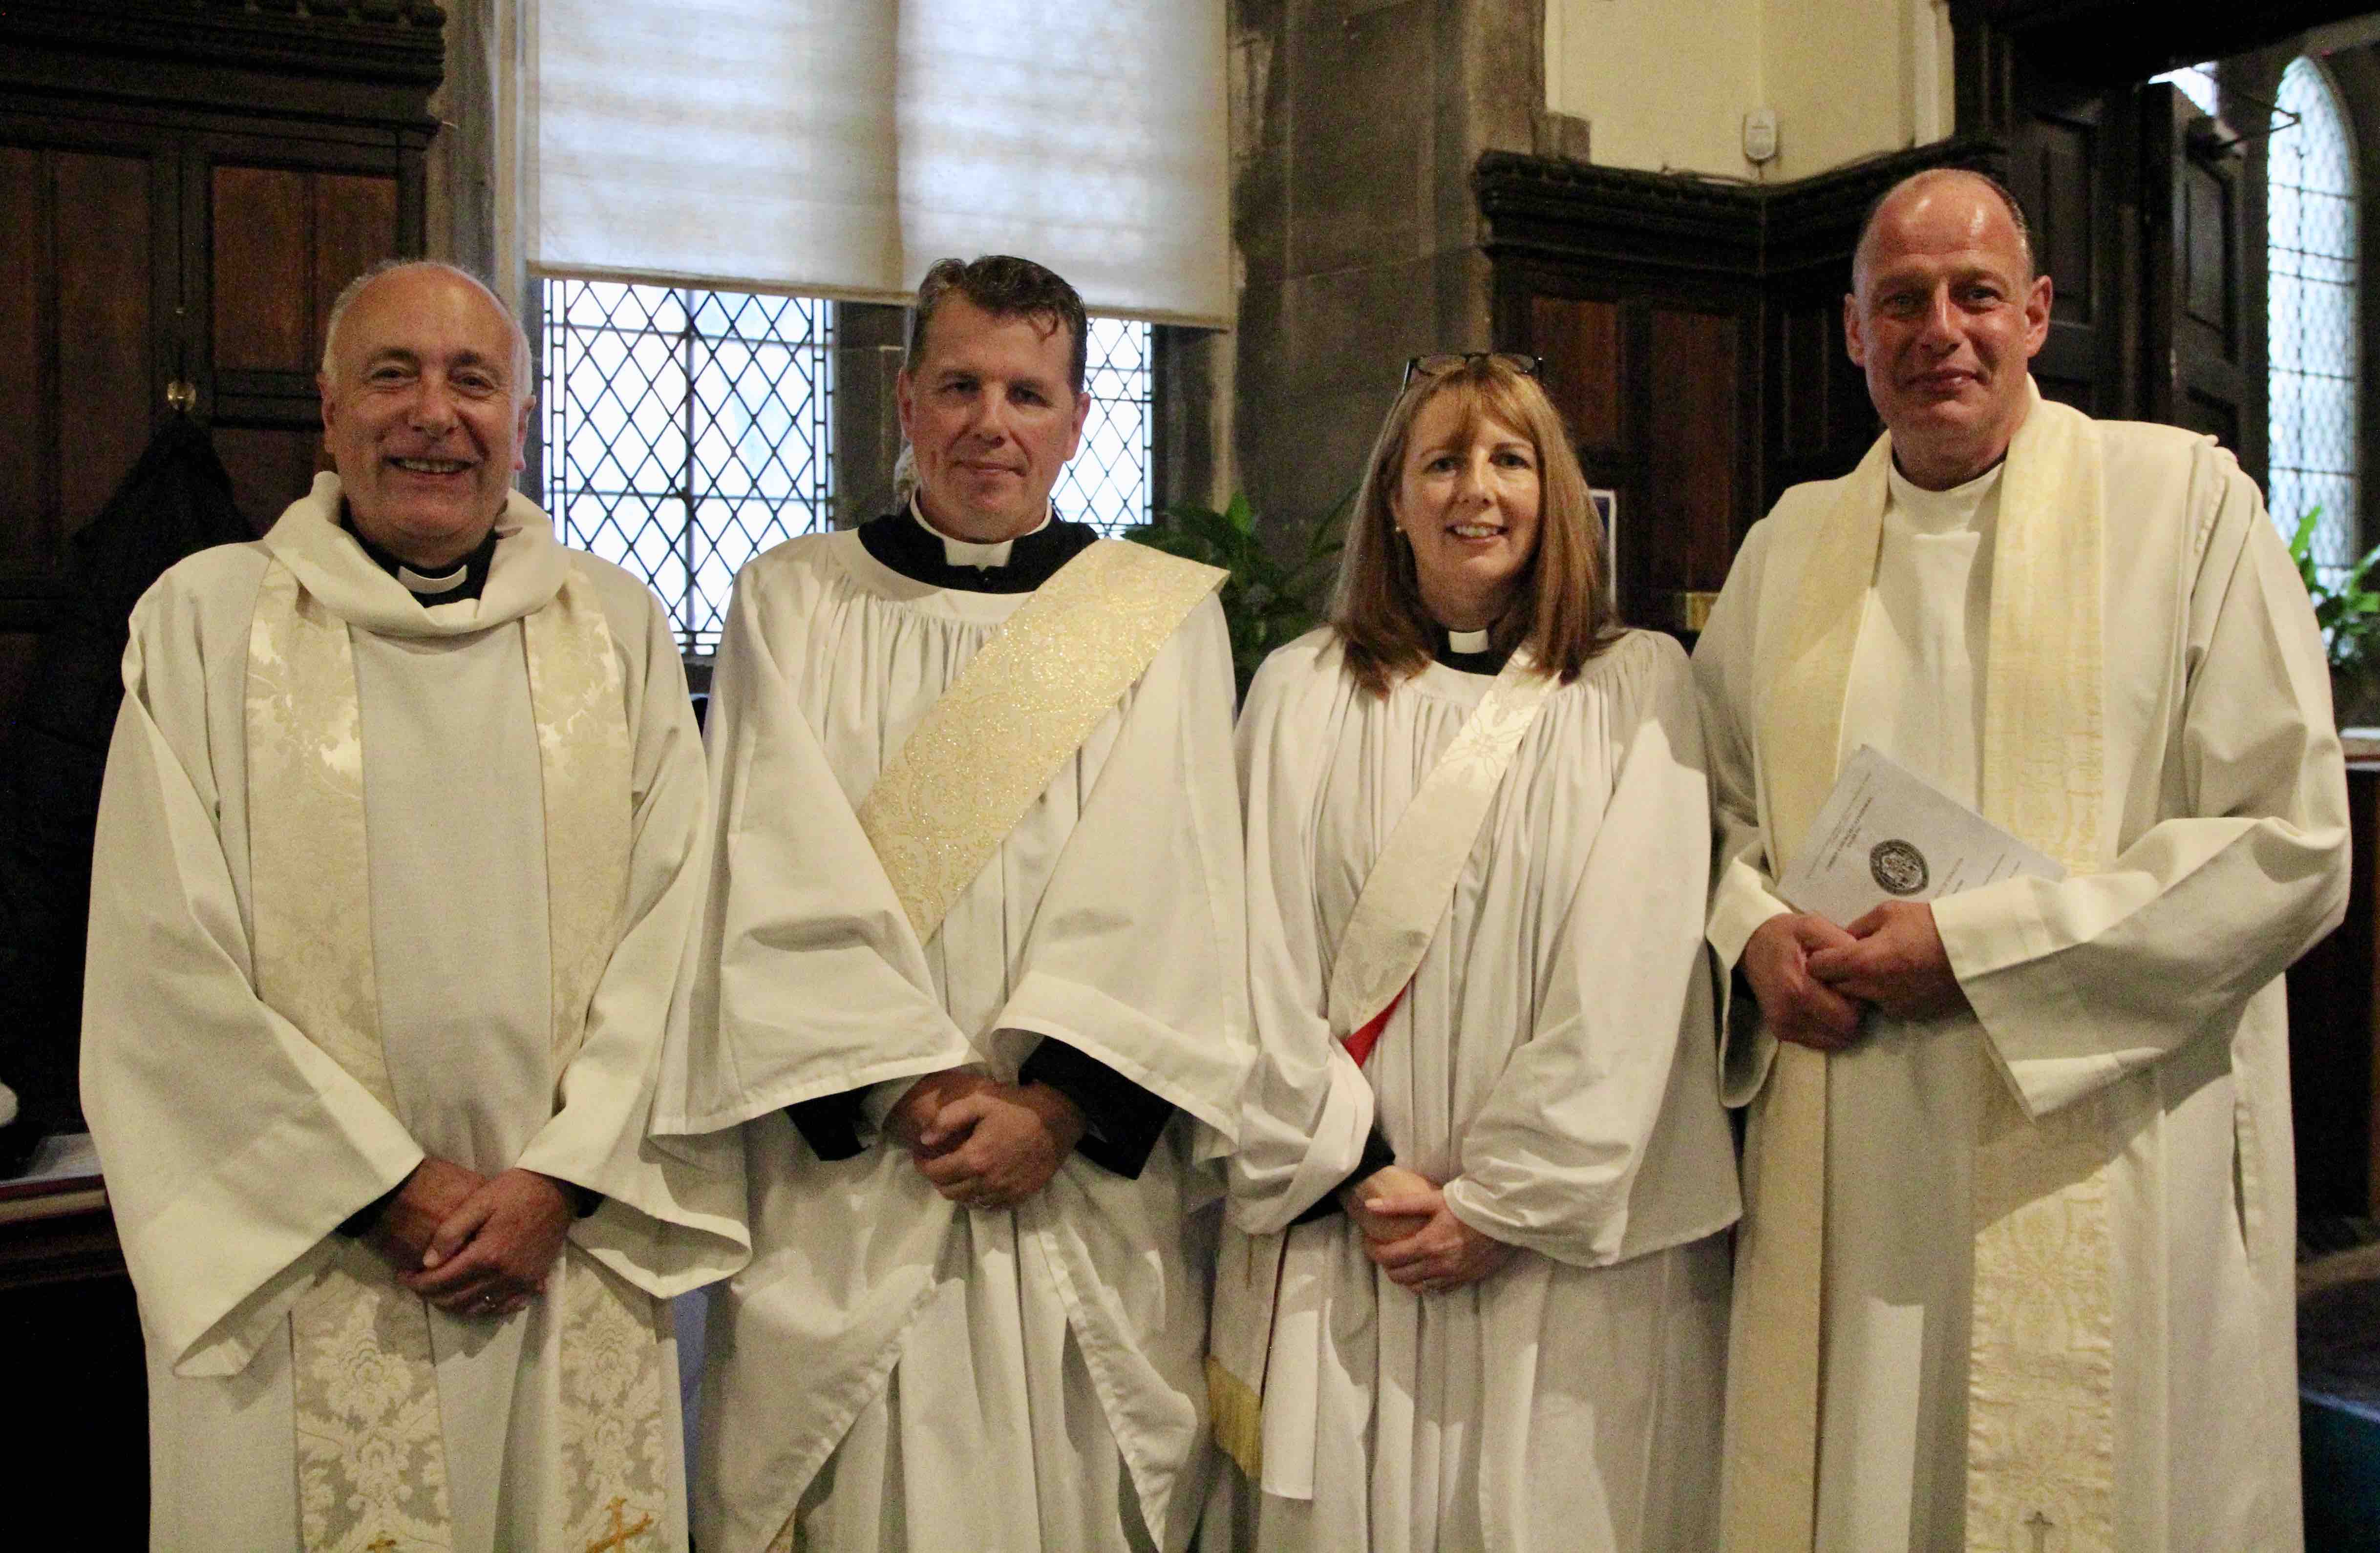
(2016, 1263)
(969, 990)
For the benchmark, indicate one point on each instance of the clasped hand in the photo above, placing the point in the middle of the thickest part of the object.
(1813, 980)
(982, 1142)
(473, 1245)
(1411, 1235)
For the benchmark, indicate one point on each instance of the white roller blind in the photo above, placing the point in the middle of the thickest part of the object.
(839, 147)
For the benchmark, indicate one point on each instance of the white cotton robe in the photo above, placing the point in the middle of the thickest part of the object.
(232, 1146)
(1554, 1061)
(912, 1374)
(2156, 981)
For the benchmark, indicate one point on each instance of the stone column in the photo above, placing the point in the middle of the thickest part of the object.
(1354, 127)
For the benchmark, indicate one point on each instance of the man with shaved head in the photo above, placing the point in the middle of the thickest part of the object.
(2016, 1265)
(401, 843)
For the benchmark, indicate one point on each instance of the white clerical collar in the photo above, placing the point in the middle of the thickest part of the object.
(415, 582)
(966, 552)
(1941, 512)
(1466, 641)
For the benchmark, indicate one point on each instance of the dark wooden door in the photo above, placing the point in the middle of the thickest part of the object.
(1655, 391)
(283, 228)
(2199, 315)
(2073, 166)
(140, 254)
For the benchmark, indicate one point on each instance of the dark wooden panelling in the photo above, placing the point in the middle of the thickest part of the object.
(354, 228)
(269, 468)
(264, 219)
(106, 383)
(1687, 522)
(2207, 241)
(16, 664)
(2332, 995)
(29, 465)
(1579, 339)
(2061, 176)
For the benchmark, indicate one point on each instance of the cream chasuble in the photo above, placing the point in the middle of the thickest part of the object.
(2043, 1448)
(411, 1429)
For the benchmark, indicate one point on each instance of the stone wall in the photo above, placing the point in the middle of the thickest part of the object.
(1355, 125)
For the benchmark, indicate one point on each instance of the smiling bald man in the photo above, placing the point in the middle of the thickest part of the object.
(401, 841)
(2016, 1263)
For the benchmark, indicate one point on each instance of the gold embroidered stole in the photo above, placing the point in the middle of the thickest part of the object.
(1023, 705)
(1397, 913)
(372, 1471)
(2040, 1380)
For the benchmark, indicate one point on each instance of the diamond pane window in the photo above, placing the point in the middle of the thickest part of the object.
(2312, 302)
(1111, 482)
(686, 432)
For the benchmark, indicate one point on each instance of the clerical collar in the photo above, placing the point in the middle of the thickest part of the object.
(905, 544)
(464, 580)
(966, 552)
(1472, 652)
(1942, 512)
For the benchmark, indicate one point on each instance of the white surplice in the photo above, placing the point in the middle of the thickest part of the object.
(913, 1374)
(232, 1146)
(2154, 981)
(1554, 1061)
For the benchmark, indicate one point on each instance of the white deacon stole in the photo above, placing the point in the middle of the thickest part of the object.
(991, 744)
(2041, 1373)
(371, 1453)
(1397, 913)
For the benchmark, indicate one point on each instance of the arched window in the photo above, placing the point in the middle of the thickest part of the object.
(2313, 337)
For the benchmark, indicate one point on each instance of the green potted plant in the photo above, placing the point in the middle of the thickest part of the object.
(1266, 600)
(2350, 617)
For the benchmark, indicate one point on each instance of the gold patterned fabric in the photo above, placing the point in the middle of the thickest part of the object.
(371, 1464)
(1017, 711)
(2040, 1380)
(1396, 916)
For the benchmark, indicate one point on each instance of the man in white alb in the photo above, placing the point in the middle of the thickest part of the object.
(401, 843)
(2016, 1259)
(969, 990)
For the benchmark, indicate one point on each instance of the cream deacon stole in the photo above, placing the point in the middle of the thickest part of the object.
(1397, 913)
(2040, 1403)
(993, 742)
(372, 1471)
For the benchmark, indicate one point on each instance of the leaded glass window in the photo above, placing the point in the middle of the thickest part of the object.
(1111, 482)
(686, 432)
(2312, 317)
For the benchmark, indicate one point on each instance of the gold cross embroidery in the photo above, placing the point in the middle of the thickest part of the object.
(621, 1531)
(2040, 1525)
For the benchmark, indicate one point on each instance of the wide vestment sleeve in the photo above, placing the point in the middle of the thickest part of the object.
(1743, 888)
(671, 1219)
(792, 874)
(232, 1144)
(1622, 1035)
(1136, 955)
(1308, 1107)
(2081, 982)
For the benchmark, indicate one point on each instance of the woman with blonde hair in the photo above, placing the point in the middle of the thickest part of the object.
(1476, 1296)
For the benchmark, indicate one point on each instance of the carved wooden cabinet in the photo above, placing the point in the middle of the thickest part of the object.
(186, 184)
